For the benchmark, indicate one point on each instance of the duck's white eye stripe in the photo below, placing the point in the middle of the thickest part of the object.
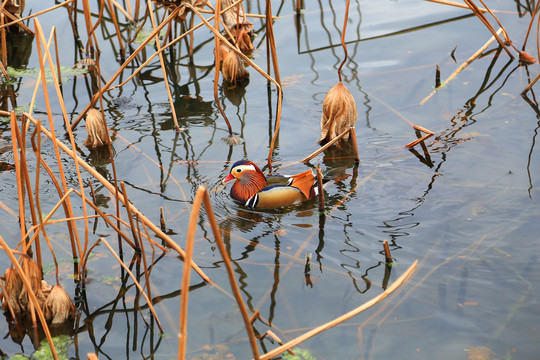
(245, 167)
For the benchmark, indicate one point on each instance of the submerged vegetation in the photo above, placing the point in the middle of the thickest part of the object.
(75, 201)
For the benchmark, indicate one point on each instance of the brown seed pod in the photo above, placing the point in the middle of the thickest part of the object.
(233, 68)
(13, 286)
(526, 58)
(58, 306)
(33, 273)
(96, 129)
(339, 113)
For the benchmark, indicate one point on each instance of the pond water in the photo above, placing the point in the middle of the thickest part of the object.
(465, 204)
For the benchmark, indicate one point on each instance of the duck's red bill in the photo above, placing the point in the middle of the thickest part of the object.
(228, 178)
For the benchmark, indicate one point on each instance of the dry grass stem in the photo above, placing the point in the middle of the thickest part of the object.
(186, 273)
(339, 113)
(342, 318)
(96, 128)
(462, 66)
(163, 69)
(480, 15)
(230, 272)
(428, 133)
(105, 87)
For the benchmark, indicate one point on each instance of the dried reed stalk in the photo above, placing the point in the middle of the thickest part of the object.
(111, 188)
(186, 273)
(428, 133)
(3, 39)
(33, 299)
(130, 217)
(230, 139)
(25, 181)
(41, 42)
(20, 190)
(22, 26)
(163, 69)
(482, 18)
(117, 28)
(164, 47)
(462, 66)
(230, 272)
(342, 318)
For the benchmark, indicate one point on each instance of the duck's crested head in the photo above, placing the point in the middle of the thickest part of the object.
(249, 180)
(243, 168)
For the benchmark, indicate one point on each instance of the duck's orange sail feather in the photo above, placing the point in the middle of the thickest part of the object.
(303, 182)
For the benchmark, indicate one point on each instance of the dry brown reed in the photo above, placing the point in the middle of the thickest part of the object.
(387, 255)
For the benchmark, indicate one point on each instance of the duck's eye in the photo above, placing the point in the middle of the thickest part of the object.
(238, 170)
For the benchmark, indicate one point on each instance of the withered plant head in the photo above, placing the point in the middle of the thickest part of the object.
(339, 113)
(58, 306)
(13, 286)
(96, 129)
(526, 59)
(184, 11)
(233, 140)
(233, 68)
(243, 40)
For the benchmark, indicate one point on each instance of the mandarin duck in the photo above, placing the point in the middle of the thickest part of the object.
(255, 190)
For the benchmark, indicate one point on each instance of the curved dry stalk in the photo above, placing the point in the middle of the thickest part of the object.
(343, 39)
(162, 63)
(20, 193)
(344, 317)
(230, 272)
(186, 273)
(33, 297)
(482, 18)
